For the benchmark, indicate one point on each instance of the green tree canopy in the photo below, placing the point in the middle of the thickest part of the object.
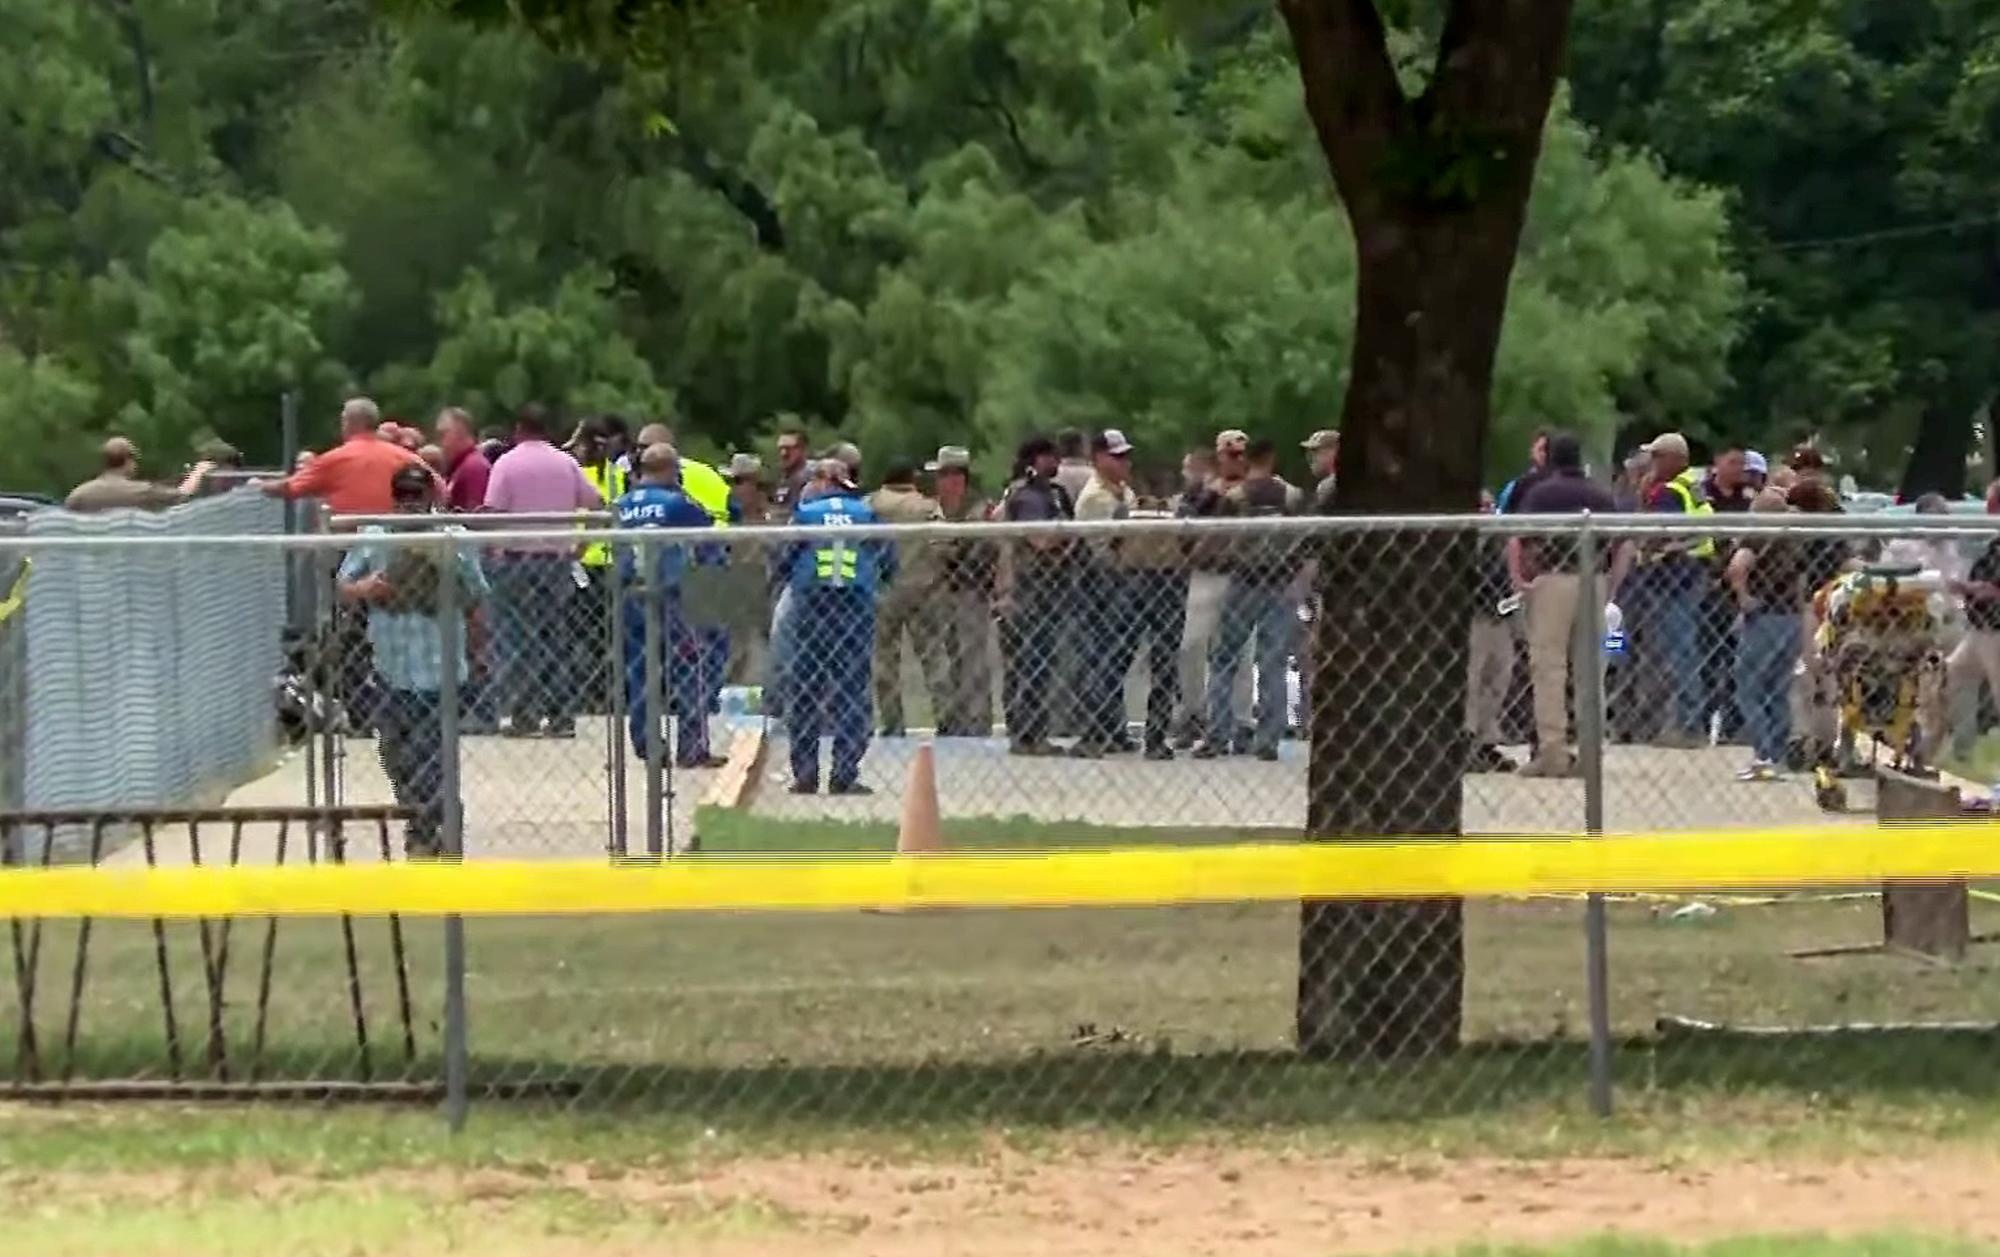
(911, 221)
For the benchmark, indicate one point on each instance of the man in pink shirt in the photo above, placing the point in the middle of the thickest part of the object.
(534, 585)
(466, 469)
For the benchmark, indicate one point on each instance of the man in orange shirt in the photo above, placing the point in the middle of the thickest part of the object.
(353, 477)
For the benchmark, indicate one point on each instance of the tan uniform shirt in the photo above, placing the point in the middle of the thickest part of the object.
(111, 491)
(917, 562)
(968, 564)
(1101, 499)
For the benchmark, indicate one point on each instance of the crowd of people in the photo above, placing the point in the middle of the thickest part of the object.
(1719, 634)
(1715, 630)
(821, 625)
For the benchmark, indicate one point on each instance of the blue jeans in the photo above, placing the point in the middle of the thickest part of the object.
(1767, 648)
(410, 739)
(534, 677)
(831, 681)
(1677, 611)
(1256, 609)
(783, 647)
(680, 678)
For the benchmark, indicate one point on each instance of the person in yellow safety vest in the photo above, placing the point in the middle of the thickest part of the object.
(590, 445)
(1672, 584)
(703, 484)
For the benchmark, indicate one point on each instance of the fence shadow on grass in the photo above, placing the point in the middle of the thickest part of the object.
(1266, 1090)
(1119, 1087)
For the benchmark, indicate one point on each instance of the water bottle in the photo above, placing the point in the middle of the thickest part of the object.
(1614, 632)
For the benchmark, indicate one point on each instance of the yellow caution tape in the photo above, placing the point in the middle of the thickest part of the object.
(17, 593)
(1108, 878)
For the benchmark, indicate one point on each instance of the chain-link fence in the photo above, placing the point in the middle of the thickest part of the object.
(515, 688)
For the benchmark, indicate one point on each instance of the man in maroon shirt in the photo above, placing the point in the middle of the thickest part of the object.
(466, 469)
(1558, 587)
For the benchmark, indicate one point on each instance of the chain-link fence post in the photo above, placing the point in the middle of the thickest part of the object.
(614, 706)
(651, 698)
(1590, 749)
(451, 649)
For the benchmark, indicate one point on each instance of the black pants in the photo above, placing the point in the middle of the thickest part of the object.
(1103, 630)
(590, 634)
(1033, 629)
(532, 594)
(1157, 605)
(1718, 661)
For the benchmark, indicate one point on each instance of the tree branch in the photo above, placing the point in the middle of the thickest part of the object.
(1497, 63)
(744, 196)
(1030, 162)
(1352, 96)
(126, 18)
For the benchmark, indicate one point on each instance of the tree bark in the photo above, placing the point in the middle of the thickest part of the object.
(1937, 456)
(1436, 188)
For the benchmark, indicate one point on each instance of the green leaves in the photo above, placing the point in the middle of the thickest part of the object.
(495, 355)
(235, 304)
(911, 221)
(1850, 139)
(45, 406)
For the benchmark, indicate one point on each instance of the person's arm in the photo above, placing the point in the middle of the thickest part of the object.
(887, 560)
(475, 639)
(1738, 575)
(191, 483)
(309, 481)
(587, 496)
(497, 496)
(1978, 585)
(360, 580)
(473, 579)
(1622, 561)
(1517, 565)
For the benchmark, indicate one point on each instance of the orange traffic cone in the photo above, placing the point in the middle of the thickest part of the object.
(918, 833)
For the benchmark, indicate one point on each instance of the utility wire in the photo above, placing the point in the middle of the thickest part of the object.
(1911, 232)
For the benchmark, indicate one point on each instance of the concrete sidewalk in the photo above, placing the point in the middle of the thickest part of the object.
(549, 799)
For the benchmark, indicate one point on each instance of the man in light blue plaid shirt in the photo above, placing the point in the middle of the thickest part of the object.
(399, 586)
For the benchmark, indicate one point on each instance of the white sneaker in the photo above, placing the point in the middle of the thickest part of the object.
(1759, 770)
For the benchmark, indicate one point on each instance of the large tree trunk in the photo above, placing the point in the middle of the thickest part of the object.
(1937, 456)
(1436, 192)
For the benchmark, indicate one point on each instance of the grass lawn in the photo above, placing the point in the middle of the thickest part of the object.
(1167, 1022)
(724, 830)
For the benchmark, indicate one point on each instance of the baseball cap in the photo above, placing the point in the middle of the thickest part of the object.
(411, 482)
(744, 465)
(1753, 461)
(1667, 443)
(1111, 441)
(1321, 439)
(1234, 439)
(847, 452)
(836, 469)
(950, 457)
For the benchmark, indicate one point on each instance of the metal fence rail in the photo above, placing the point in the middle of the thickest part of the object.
(779, 689)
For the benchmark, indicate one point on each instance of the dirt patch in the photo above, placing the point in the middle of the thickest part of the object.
(1187, 1204)
(1184, 1203)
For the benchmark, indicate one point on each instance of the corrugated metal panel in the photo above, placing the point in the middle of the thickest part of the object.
(148, 670)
